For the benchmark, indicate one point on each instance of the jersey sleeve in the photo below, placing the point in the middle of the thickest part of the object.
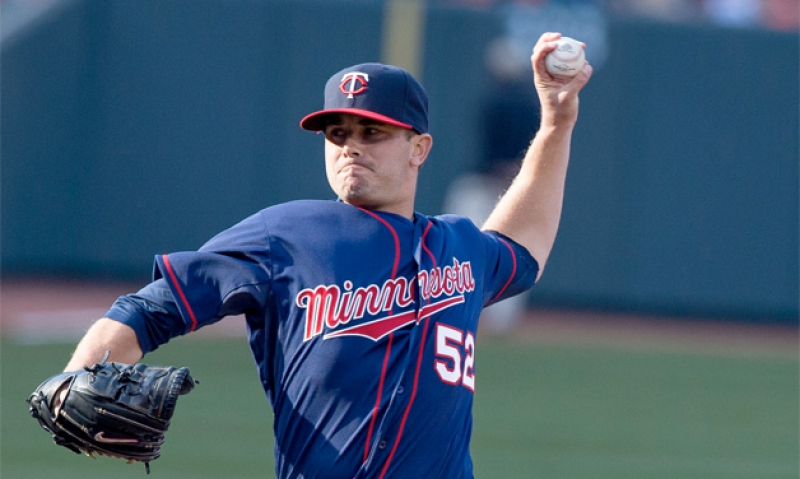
(510, 268)
(151, 312)
(229, 275)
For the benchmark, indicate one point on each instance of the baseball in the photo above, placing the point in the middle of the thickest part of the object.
(567, 59)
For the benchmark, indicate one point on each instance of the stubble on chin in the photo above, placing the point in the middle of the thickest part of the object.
(352, 190)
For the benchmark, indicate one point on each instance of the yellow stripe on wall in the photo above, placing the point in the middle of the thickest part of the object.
(403, 32)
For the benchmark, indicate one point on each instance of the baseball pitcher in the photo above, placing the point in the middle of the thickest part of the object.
(362, 314)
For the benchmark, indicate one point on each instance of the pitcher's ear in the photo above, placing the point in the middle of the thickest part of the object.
(422, 145)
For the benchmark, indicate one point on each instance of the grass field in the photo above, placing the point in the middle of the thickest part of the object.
(542, 411)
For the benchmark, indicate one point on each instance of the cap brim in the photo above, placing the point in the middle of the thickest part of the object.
(316, 121)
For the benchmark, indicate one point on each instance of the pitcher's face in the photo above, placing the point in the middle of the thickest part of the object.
(372, 164)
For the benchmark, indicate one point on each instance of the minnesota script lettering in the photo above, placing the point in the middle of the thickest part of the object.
(333, 307)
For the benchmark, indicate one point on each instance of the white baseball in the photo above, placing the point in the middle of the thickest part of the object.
(567, 59)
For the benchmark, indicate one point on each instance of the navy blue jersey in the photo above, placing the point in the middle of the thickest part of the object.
(362, 325)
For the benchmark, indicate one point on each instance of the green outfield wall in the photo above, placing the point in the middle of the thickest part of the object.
(136, 128)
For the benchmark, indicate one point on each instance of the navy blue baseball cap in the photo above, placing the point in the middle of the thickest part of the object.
(380, 92)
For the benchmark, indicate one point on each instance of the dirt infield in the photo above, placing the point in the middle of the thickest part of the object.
(52, 310)
(48, 310)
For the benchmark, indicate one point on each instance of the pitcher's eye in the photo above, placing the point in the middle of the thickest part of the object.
(375, 133)
(334, 133)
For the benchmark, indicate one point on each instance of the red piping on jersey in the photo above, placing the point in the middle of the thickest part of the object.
(391, 336)
(408, 408)
(513, 270)
(416, 373)
(178, 288)
(394, 236)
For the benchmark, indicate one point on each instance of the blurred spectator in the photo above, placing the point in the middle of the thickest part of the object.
(476, 4)
(781, 14)
(509, 118)
(771, 14)
(667, 10)
(510, 113)
(585, 20)
(498, 3)
(733, 13)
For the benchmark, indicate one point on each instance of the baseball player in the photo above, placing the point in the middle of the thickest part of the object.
(361, 313)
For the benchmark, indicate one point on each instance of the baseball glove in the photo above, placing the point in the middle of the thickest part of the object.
(111, 409)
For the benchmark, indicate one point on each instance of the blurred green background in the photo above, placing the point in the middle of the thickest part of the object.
(550, 411)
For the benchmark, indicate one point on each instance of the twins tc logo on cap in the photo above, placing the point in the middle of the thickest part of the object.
(383, 93)
(354, 83)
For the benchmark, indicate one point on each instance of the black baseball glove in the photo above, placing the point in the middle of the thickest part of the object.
(111, 409)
